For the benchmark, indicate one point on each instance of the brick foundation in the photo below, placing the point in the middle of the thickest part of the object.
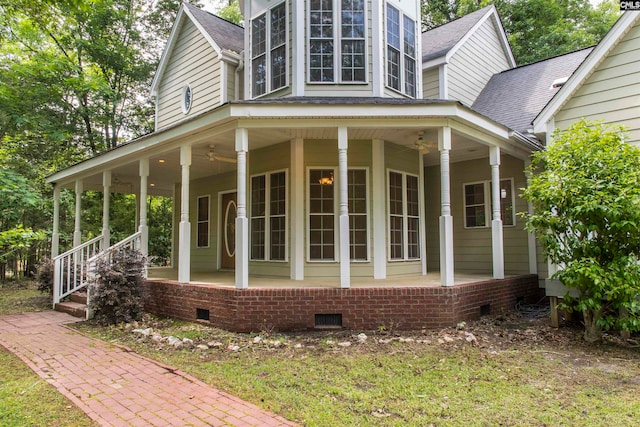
(285, 309)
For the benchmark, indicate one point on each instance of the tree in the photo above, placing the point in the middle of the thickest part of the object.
(231, 12)
(536, 29)
(585, 190)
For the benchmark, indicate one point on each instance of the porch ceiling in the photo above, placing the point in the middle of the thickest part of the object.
(471, 137)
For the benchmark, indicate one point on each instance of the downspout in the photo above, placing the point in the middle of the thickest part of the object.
(239, 70)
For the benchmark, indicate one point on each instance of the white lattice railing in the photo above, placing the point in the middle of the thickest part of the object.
(74, 269)
(71, 269)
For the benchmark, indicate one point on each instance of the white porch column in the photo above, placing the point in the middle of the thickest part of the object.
(446, 220)
(184, 251)
(106, 199)
(242, 223)
(379, 196)
(497, 241)
(77, 234)
(55, 234)
(142, 200)
(531, 238)
(343, 168)
(296, 252)
(423, 216)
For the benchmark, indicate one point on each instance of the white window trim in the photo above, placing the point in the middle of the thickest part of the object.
(208, 221)
(367, 214)
(336, 215)
(405, 216)
(267, 13)
(337, 51)
(400, 91)
(487, 204)
(267, 216)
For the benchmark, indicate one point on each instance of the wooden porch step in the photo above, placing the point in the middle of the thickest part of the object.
(79, 297)
(73, 308)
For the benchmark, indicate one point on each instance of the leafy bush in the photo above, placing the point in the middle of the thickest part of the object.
(116, 294)
(44, 276)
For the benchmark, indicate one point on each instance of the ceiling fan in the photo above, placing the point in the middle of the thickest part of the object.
(423, 145)
(213, 156)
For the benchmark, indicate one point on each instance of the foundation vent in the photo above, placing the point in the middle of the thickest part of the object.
(328, 321)
(202, 314)
(485, 310)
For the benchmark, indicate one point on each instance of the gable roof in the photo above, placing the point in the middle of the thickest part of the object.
(442, 42)
(222, 35)
(599, 53)
(515, 97)
(227, 35)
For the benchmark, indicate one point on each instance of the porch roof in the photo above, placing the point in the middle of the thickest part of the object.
(271, 121)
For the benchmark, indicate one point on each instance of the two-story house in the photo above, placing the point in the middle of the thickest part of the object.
(332, 165)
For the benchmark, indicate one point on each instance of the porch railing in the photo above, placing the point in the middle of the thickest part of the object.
(75, 269)
(71, 270)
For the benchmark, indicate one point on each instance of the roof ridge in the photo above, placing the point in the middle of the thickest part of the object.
(549, 58)
(212, 14)
(459, 18)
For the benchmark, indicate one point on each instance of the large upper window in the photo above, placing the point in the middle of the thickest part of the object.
(401, 52)
(323, 215)
(477, 203)
(268, 216)
(269, 51)
(337, 48)
(404, 217)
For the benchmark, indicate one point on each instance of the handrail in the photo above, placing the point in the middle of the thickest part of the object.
(71, 270)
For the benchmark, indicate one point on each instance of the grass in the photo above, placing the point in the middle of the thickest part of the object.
(25, 398)
(552, 380)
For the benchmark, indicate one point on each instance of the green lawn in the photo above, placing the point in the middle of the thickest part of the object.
(517, 377)
(25, 398)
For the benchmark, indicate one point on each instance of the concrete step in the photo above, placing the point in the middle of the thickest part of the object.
(79, 297)
(73, 308)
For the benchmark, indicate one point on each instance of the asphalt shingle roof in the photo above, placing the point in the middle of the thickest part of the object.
(440, 40)
(227, 35)
(515, 97)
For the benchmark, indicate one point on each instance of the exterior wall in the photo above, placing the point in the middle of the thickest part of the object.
(612, 92)
(431, 83)
(231, 82)
(471, 67)
(193, 61)
(361, 308)
(472, 252)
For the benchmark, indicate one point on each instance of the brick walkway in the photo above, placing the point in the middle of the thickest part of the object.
(116, 387)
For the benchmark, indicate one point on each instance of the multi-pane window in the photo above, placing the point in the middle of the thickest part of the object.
(202, 240)
(477, 203)
(401, 51)
(323, 215)
(357, 190)
(404, 217)
(337, 41)
(269, 51)
(268, 216)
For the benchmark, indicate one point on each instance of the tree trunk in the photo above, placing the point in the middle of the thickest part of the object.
(592, 331)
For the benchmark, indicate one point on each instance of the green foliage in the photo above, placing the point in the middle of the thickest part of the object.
(231, 12)
(116, 296)
(44, 276)
(585, 192)
(536, 29)
(160, 212)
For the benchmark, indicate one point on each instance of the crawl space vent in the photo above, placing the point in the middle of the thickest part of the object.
(202, 314)
(328, 321)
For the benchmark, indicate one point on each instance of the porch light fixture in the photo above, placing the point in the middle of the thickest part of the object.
(503, 193)
(326, 180)
(161, 160)
(422, 145)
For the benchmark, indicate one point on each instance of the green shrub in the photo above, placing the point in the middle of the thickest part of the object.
(116, 294)
(44, 276)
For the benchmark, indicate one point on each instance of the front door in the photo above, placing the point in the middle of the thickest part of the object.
(228, 232)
